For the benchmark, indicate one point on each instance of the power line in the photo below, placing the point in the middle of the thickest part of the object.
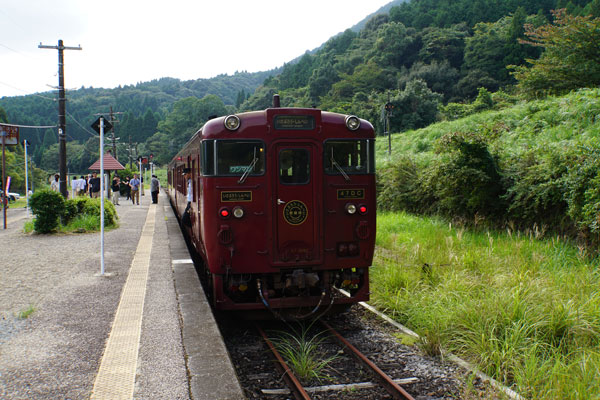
(30, 126)
(92, 134)
(25, 91)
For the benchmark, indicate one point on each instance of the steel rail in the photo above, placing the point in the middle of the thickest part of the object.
(289, 377)
(392, 387)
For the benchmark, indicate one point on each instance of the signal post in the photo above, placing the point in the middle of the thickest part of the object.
(10, 136)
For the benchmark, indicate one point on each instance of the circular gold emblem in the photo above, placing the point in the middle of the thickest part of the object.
(295, 212)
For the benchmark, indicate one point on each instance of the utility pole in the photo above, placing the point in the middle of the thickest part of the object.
(389, 108)
(130, 161)
(62, 129)
(114, 139)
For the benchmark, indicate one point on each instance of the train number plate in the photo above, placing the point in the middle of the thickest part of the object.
(236, 196)
(346, 194)
(297, 122)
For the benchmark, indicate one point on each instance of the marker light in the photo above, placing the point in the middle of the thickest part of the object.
(238, 212)
(350, 208)
(362, 209)
(224, 213)
(352, 122)
(232, 122)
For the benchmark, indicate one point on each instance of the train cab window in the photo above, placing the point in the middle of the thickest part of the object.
(240, 158)
(294, 166)
(208, 157)
(347, 157)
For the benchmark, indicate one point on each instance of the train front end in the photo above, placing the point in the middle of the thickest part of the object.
(288, 210)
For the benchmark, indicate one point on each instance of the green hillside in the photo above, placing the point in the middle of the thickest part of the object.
(534, 164)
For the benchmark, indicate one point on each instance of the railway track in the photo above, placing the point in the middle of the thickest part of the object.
(263, 377)
(297, 389)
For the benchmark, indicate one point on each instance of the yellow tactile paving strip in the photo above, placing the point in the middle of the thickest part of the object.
(116, 376)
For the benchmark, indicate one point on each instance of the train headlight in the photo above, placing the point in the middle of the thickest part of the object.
(238, 212)
(352, 122)
(232, 122)
(350, 208)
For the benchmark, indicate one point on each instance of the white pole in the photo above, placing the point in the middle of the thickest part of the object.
(26, 180)
(141, 189)
(102, 196)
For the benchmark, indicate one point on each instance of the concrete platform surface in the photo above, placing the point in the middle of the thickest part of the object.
(143, 330)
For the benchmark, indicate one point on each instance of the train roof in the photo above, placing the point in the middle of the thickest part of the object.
(252, 124)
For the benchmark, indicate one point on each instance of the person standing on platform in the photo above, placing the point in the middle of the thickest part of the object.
(115, 190)
(186, 217)
(94, 186)
(55, 185)
(154, 188)
(82, 186)
(126, 190)
(134, 184)
(75, 185)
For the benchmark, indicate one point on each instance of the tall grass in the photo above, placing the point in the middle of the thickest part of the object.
(526, 310)
(301, 351)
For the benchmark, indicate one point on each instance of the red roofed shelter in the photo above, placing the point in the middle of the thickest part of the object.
(110, 164)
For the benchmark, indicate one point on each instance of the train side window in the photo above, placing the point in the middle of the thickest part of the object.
(349, 156)
(194, 185)
(235, 158)
(294, 166)
(208, 157)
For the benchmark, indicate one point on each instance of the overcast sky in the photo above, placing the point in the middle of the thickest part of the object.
(130, 41)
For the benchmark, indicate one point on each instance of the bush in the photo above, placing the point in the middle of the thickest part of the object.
(81, 206)
(396, 186)
(535, 181)
(47, 206)
(468, 181)
(583, 195)
(400, 187)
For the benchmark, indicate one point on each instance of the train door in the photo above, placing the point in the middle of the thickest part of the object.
(295, 196)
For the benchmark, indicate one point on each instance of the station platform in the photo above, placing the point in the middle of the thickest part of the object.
(141, 330)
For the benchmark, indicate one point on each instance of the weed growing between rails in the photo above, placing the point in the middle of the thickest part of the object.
(524, 310)
(301, 351)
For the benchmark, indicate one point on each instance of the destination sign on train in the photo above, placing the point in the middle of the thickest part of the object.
(300, 122)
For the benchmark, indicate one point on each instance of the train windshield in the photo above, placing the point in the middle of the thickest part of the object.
(349, 157)
(239, 158)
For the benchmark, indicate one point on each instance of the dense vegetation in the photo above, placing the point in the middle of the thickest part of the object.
(534, 164)
(80, 214)
(521, 308)
(419, 56)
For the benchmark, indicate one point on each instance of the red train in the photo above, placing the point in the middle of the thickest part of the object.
(283, 208)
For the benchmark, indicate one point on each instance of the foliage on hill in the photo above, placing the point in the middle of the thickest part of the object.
(571, 57)
(533, 164)
(143, 105)
(455, 48)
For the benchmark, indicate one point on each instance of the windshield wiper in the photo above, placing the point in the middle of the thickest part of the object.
(335, 164)
(249, 168)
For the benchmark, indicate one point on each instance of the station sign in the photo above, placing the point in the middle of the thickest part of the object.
(96, 125)
(10, 134)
